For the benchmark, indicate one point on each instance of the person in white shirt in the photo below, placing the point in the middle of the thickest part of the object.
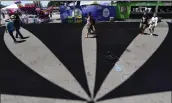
(153, 23)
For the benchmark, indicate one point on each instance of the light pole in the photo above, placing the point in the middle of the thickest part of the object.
(171, 11)
(0, 12)
(156, 9)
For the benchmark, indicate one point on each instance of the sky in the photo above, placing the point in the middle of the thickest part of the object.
(44, 3)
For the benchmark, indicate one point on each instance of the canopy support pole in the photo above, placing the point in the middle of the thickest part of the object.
(0, 13)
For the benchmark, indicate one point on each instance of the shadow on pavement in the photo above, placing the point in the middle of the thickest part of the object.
(18, 79)
(155, 34)
(64, 40)
(113, 37)
(26, 37)
(20, 41)
(154, 76)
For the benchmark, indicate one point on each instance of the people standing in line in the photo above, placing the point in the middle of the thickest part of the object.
(144, 23)
(17, 24)
(89, 24)
(10, 27)
(153, 23)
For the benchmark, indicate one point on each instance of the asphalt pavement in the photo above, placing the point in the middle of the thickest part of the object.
(57, 64)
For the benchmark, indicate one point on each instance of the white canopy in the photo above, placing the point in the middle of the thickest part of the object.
(72, 4)
(107, 3)
(98, 2)
(12, 6)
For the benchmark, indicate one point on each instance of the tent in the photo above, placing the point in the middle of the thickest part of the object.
(12, 8)
(105, 3)
(72, 4)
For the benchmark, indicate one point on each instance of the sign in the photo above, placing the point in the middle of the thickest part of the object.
(147, 4)
(99, 12)
(106, 12)
(68, 13)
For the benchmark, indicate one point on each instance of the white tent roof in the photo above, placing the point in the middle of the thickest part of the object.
(12, 6)
(72, 4)
(92, 2)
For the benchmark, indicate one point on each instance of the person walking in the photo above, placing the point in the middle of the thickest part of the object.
(17, 26)
(144, 23)
(10, 27)
(93, 29)
(89, 24)
(153, 23)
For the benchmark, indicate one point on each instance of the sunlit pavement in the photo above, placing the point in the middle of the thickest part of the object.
(134, 56)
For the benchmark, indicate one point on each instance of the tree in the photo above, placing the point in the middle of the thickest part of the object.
(53, 3)
(95, 3)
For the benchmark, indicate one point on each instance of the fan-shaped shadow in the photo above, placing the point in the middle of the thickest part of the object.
(16, 78)
(154, 76)
(113, 37)
(64, 40)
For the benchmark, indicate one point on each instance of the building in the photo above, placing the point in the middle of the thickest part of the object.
(135, 9)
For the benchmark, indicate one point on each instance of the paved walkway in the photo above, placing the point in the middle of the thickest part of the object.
(38, 57)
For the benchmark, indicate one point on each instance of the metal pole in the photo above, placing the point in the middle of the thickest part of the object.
(0, 13)
(171, 18)
(156, 9)
(74, 13)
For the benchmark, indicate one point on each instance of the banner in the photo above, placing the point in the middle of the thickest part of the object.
(100, 13)
(70, 14)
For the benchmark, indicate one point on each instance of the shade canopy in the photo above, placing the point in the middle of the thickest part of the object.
(12, 6)
(108, 3)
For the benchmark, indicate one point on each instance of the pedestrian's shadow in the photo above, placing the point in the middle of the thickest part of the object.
(146, 33)
(20, 41)
(149, 34)
(155, 34)
(26, 37)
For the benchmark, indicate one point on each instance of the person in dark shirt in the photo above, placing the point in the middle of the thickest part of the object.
(17, 26)
(10, 27)
(144, 23)
(93, 24)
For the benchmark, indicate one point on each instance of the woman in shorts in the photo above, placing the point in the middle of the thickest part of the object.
(153, 23)
(89, 24)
